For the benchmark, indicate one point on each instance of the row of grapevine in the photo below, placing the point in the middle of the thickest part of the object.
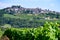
(49, 31)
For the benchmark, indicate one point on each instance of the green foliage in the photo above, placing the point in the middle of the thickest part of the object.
(58, 34)
(26, 20)
(49, 31)
(1, 32)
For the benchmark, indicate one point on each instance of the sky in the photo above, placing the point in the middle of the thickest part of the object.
(44, 4)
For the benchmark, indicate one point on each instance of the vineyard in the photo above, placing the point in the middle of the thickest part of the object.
(20, 20)
(49, 31)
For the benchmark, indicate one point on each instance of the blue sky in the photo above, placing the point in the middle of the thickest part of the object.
(44, 4)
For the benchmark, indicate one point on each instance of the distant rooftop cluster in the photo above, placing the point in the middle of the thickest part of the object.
(19, 9)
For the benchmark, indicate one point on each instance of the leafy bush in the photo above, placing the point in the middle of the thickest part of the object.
(49, 31)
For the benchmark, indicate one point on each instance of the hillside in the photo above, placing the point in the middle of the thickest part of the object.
(19, 23)
(17, 16)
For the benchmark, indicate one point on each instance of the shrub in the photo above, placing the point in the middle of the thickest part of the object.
(47, 32)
